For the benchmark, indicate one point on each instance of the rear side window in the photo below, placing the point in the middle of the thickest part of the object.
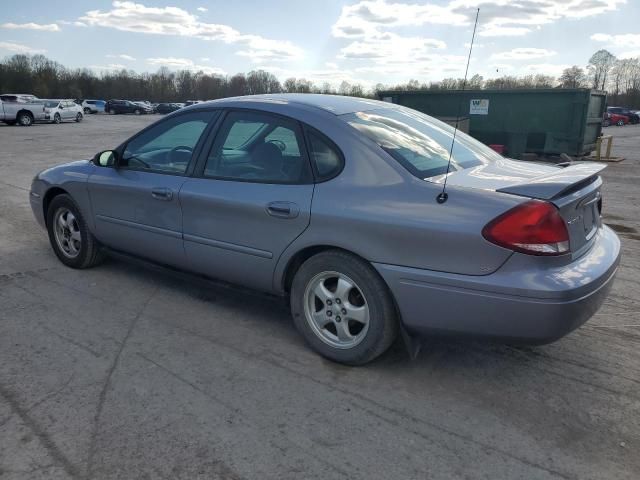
(325, 156)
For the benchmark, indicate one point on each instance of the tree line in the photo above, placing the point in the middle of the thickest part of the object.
(46, 78)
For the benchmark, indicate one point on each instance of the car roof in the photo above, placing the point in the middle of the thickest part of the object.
(336, 104)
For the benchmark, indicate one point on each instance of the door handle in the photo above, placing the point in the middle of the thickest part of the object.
(161, 193)
(283, 209)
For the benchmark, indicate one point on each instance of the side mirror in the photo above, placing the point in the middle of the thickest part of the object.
(106, 158)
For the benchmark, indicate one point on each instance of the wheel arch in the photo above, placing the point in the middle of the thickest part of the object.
(49, 196)
(285, 280)
(25, 111)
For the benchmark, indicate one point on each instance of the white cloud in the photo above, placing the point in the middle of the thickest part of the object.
(202, 9)
(122, 56)
(546, 69)
(110, 67)
(184, 64)
(621, 41)
(628, 40)
(51, 27)
(523, 54)
(136, 17)
(369, 17)
(19, 48)
(499, 31)
(629, 54)
(497, 17)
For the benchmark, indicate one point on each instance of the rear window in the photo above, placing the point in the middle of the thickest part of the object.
(420, 143)
(51, 104)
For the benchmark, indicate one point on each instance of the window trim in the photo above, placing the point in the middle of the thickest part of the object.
(208, 148)
(197, 150)
(316, 174)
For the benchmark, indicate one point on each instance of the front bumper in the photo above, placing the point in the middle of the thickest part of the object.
(516, 303)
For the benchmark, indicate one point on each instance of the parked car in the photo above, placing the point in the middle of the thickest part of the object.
(614, 119)
(93, 106)
(21, 109)
(124, 106)
(634, 118)
(165, 108)
(58, 111)
(336, 202)
(146, 106)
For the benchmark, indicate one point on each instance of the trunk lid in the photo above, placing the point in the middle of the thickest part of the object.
(574, 189)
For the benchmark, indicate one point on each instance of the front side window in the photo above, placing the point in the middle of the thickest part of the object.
(260, 148)
(420, 143)
(168, 146)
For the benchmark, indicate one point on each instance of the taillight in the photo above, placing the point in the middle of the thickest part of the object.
(534, 227)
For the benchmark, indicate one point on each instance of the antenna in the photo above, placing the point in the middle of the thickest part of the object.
(443, 195)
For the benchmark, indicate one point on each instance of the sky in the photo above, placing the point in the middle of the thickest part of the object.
(367, 42)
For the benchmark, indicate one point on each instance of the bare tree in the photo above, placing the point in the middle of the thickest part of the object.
(600, 64)
(573, 77)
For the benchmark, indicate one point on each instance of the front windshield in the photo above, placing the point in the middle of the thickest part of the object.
(420, 143)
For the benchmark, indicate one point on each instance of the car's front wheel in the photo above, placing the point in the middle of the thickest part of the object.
(57, 118)
(343, 308)
(69, 236)
(79, 117)
(621, 123)
(87, 110)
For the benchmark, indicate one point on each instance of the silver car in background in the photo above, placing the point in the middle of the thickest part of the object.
(331, 201)
(58, 111)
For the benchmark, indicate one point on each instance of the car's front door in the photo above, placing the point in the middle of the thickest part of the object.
(135, 204)
(249, 199)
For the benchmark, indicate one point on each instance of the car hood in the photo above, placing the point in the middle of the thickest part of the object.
(530, 179)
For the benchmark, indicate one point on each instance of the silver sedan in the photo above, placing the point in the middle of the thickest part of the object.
(336, 203)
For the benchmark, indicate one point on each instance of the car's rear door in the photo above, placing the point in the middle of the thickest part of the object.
(249, 199)
(136, 204)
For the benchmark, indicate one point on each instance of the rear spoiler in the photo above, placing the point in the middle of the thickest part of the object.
(555, 184)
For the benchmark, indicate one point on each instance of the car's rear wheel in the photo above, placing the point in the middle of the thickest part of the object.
(79, 117)
(87, 110)
(343, 308)
(137, 112)
(57, 118)
(620, 123)
(69, 236)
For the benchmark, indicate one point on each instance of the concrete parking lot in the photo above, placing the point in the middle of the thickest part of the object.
(131, 372)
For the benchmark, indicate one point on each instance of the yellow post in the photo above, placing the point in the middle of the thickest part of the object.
(610, 138)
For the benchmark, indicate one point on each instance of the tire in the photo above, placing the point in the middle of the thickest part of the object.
(137, 111)
(86, 252)
(57, 118)
(367, 297)
(79, 117)
(24, 119)
(86, 110)
(111, 111)
(620, 123)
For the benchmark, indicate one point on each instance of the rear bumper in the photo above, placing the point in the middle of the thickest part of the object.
(516, 303)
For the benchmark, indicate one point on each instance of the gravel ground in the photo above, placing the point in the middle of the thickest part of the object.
(130, 372)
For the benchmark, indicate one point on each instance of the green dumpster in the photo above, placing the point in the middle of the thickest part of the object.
(542, 121)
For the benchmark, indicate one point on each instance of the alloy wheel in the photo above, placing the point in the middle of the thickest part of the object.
(336, 310)
(67, 232)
